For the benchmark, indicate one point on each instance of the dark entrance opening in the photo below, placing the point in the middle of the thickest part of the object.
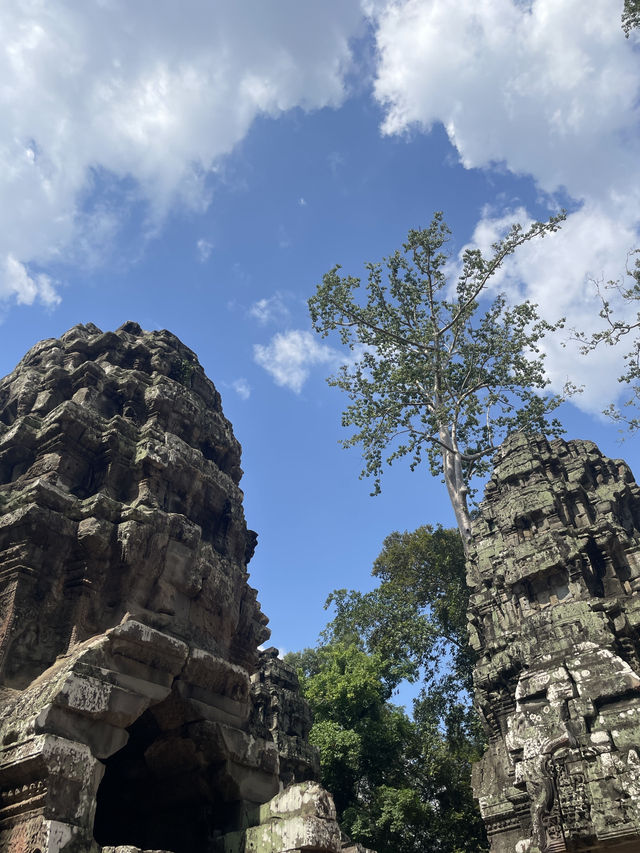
(155, 794)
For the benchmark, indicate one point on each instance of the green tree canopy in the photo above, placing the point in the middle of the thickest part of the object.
(435, 371)
(415, 619)
(399, 786)
(630, 16)
(360, 736)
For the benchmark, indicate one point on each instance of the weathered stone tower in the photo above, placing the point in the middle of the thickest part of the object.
(136, 711)
(555, 619)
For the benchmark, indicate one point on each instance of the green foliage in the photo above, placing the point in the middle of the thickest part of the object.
(630, 16)
(182, 371)
(416, 618)
(341, 753)
(397, 786)
(400, 785)
(617, 332)
(360, 735)
(437, 373)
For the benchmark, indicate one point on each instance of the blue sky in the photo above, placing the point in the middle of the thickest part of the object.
(199, 166)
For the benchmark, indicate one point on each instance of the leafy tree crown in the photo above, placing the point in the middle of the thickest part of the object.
(437, 367)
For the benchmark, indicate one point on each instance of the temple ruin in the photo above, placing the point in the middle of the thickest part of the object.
(554, 618)
(136, 710)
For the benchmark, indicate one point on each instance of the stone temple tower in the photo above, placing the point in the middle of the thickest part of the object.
(555, 620)
(136, 709)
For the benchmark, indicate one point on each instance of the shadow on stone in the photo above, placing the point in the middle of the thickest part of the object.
(136, 708)
(554, 617)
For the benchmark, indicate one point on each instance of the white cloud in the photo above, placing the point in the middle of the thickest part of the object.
(16, 282)
(270, 310)
(550, 92)
(559, 274)
(242, 388)
(204, 247)
(138, 102)
(302, 202)
(541, 89)
(290, 355)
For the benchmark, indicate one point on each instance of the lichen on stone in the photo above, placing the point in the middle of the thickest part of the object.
(554, 613)
(137, 711)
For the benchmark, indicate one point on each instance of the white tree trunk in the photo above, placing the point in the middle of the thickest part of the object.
(456, 485)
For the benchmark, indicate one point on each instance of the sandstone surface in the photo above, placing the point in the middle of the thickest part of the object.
(136, 709)
(555, 619)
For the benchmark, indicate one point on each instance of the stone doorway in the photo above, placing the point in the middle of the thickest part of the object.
(157, 793)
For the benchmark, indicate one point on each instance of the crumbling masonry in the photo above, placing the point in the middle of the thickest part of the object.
(555, 619)
(136, 712)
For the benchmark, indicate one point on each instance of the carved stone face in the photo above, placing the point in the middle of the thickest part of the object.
(538, 725)
(140, 714)
(120, 495)
(555, 610)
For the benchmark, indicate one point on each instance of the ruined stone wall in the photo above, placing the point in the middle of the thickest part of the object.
(119, 495)
(136, 710)
(555, 619)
